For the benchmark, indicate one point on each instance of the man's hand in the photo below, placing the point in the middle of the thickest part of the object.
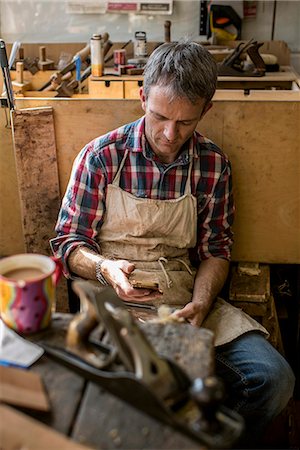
(192, 312)
(117, 273)
(211, 276)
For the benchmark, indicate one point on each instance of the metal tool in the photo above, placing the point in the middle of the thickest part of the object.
(9, 103)
(233, 64)
(138, 375)
(83, 54)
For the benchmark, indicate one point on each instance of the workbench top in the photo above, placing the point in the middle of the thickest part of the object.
(86, 413)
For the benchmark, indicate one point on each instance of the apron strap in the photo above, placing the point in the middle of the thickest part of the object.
(162, 260)
(188, 186)
(116, 180)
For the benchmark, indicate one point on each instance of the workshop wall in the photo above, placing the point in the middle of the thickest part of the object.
(50, 21)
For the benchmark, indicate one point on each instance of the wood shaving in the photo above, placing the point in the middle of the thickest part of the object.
(165, 315)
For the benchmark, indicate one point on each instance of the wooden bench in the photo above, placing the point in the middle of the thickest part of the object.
(250, 290)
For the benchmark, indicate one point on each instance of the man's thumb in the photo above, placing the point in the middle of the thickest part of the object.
(128, 267)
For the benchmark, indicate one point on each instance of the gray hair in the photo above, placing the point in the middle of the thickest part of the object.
(186, 69)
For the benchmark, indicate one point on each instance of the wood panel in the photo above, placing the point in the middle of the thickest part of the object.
(259, 133)
(35, 152)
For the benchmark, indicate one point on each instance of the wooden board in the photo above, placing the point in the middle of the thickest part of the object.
(38, 183)
(22, 388)
(17, 430)
(35, 152)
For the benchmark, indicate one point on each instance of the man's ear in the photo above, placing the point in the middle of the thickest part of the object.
(143, 98)
(206, 109)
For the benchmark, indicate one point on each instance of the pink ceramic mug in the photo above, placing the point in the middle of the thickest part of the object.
(27, 291)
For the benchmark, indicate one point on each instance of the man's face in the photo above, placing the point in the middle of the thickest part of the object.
(168, 125)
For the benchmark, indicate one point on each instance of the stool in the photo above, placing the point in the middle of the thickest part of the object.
(250, 291)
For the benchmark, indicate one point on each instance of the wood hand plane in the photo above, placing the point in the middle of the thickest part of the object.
(234, 63)
(129, 367)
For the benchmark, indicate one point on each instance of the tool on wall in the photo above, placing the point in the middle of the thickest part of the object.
(234, 63)
(44, 63)
(129, 367)
(167, 26)
(9, 101)
(19, 84)
(83, 54)
(224, 23)
(30, 64)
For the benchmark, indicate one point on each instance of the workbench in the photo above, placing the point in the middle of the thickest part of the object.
(93, 417)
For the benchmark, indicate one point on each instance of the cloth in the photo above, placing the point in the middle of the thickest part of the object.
(84, 204)
(15, 350)
(259, 382)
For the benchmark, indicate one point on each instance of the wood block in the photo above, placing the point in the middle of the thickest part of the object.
(46, 65)
(250, 288)
(192, 349)
(22, 388)
(20, 88)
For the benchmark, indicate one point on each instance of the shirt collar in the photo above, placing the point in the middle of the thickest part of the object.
(136, 142)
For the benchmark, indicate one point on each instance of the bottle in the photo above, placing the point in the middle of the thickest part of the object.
(97, 59)
(140, 44)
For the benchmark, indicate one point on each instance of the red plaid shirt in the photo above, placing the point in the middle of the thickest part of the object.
(83, 206)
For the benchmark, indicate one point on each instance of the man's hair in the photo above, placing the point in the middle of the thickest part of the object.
(185, 68)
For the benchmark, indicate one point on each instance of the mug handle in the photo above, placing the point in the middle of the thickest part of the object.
(58, 270)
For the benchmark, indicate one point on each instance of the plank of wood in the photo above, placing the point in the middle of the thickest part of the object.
(17, 430)
(36, 164)
(22, 388)
(38, 182)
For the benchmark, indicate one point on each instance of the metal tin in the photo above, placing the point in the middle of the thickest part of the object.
(140, 44)
(97, 60)
(119, 58)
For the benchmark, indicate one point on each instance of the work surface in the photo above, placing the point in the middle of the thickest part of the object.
(86, 413)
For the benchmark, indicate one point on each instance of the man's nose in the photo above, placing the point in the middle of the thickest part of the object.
(170, 131)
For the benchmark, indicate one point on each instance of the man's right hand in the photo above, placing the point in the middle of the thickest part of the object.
(117, 274)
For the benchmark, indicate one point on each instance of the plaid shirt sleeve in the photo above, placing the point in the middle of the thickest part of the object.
(81, 213)
(215, 219)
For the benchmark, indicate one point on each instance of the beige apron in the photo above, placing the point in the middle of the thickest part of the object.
(155, 235)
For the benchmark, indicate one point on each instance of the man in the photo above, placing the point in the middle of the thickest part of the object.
(144, 195)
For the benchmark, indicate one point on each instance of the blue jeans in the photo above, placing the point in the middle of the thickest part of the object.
(258, 379)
